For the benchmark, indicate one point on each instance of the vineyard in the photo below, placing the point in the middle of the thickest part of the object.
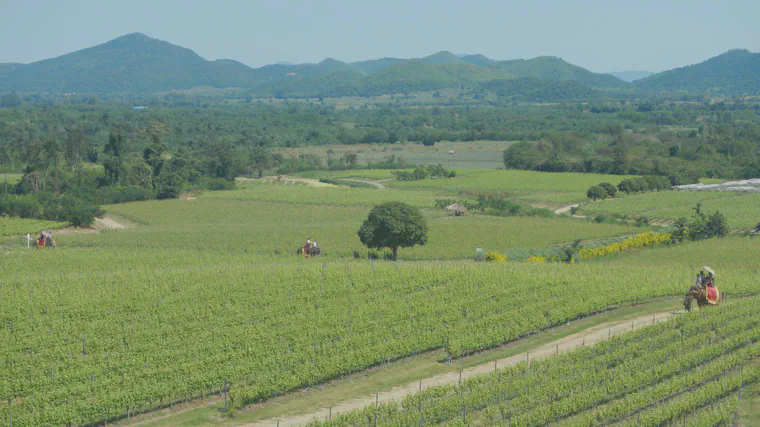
(303, 195)
(333, 226)
(207, 296)
(18, 227)
(741, 210)
(524, 185)
(655, 376)
(98, 340)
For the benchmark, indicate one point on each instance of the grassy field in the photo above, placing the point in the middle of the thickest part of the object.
(522, 185)
(326, 196)
(467, 155)
(12, 178)
(19, 227)
(741, 210)
(258, 227)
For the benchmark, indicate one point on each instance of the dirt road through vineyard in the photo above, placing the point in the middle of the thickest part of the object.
(587, 337)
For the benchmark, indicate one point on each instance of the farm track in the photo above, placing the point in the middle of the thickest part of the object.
(109, 223)
(375, 184)
(587, 337)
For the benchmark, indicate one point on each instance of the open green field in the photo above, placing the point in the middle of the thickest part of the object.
(741, 210)
(245, 223)
(12, 178)
(18, 227)
(524, 185)
(466, 155)
(305, 195)
(528, 186)
(201, 295)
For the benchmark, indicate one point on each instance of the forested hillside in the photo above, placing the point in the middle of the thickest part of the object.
(736, 72)
(136, 63)
(555, 69)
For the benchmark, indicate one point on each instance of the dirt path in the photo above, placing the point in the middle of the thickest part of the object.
(587, 337)
(565, 209)
(285, 179)
(107, 223)
(373, 183)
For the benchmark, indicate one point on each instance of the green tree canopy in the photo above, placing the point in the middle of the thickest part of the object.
(393, 225)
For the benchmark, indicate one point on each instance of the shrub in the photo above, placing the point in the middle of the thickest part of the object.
(536, 259)
(638, 241)
(700, 226)
(610, 189)
(421, 172)
(495, 256)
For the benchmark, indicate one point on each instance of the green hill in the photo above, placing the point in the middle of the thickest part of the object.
(132, 63)
(556, 69)
(478, 59)
(136, 63)
(533, 89)
(374, 65)
(736, 72)
(442, 57)
(403, 77)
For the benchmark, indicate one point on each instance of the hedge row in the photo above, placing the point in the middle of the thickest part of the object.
(637, 241)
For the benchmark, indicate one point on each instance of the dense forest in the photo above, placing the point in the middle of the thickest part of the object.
(75, 157)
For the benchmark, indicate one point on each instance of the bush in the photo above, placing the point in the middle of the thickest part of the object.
(700, 226)
(122, 194)
(67, 208)
(638, 241)
(610, 189)
(422, 172)
(214, 184)
(536, 259)
(495, 256)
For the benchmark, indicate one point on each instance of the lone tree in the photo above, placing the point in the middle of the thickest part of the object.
(393, 225)
(596, 192)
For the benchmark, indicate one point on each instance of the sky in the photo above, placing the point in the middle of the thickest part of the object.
(601, 35)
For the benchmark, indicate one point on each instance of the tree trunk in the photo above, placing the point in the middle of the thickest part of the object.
(261, 173)
(395, 252)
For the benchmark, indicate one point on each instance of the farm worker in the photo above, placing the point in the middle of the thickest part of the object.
(314, 244)
(52, 241)
(41, 241)
(308, 241)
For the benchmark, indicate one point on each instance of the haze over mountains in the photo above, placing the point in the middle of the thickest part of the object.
(136, 63)
(631, 76)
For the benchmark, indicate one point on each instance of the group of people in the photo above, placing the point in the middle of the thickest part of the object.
(706, 281)
(45, 240)
(705, 278)
(310, 247)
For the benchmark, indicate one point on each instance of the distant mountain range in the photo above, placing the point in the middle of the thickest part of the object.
(136, 63)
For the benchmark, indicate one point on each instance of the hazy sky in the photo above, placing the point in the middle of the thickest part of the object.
(602, 35)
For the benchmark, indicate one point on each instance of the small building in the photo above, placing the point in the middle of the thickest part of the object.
(456, 209)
